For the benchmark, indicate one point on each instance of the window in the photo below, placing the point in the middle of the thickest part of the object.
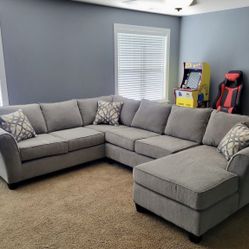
(3, 86)
(141, 62)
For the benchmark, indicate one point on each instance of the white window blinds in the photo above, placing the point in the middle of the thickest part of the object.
(141, 62)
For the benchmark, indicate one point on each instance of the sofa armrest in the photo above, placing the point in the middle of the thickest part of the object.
(10, 162)
(239, 165)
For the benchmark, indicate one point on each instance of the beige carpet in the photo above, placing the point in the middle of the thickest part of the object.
(92, 207)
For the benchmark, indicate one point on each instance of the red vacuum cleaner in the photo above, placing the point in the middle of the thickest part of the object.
(228, 98)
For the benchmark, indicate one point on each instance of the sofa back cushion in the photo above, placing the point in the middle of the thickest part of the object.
(151, 116)
(33, 113)
(88, 108)
(61, 115)
(187, 123)
(219, 125)
(129, 109)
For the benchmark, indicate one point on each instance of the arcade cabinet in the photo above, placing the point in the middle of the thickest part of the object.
(194, 89)
(228, 98)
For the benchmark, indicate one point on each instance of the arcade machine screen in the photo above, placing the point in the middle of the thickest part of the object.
(193, 80)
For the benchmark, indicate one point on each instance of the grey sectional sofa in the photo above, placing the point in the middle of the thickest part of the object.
(178, 173)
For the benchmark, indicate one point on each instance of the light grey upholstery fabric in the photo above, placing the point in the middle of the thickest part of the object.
(42, 145)
(54, 163)
(129, 109)
(187, 123)
(105, 128)
(187, 180)
(10, 161)
(151, 116)
(160, 146)
(81, 137)
(239, 165)
(205, 156)
(62, 115)
(196, 222)
(124, 156)
(88, 108)
(218, 126)
(33, 113)
(126, 137)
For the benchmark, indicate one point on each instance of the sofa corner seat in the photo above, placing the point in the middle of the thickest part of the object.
(126, 137)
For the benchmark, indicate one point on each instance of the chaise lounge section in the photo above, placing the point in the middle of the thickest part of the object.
(178, 172)
(182, 191)
(197, 188)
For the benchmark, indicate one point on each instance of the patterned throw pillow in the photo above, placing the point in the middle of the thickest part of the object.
(108, 113)
(234, 141)
(18, 125)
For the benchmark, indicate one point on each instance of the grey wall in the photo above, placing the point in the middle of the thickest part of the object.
(56, 50)
(222, 39)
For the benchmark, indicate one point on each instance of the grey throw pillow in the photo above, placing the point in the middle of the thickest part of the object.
(234, 141)
(17, 124)
(129, 109)
(219, 125)
(187, 123)
(62, 115)
(108, 113)
(151, 116)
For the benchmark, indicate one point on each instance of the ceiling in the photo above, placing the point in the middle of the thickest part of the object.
(165, 6)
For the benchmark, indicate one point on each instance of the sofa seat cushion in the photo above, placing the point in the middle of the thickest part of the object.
(43, 145)
(80, 138)
(126, 137)
(189, 177)
(104, 128)
(159, 146)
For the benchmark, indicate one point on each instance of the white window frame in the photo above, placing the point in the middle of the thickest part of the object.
(3, 81)
(119, 28)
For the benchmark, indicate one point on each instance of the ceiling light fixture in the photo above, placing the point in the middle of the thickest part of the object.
(180, 4)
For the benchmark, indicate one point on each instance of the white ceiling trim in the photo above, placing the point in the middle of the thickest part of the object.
(165, 7)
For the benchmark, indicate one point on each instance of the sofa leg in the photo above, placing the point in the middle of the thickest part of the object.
(110, 161)
(12, 186)
(140, 209)
(194, 239)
